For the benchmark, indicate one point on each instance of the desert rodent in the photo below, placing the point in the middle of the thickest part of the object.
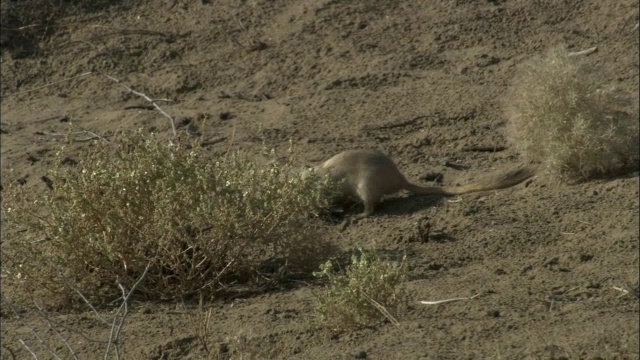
(368, 175)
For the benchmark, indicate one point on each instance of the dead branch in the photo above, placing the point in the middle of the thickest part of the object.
(583, 52)
(93, 135)
(28, 349)
(382, 310)
(153, 102)
(84, 298)
(55, 329)
(436, 302)
(124, 308)
(33, 331)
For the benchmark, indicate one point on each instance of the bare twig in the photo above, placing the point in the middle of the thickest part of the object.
(28, 349)
(583, 52)
(204, 324)
(153, 102)
(66, 281)
(93, 135)
(436, 302)
(622, 290)
(117, 326)
(33, 331)
(44, 344)
(382, 310)
(55, 329)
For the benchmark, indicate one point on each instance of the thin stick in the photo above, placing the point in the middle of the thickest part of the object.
(34, 333)
(28, 349)
(46, 318)
(47, 85)
(436, 302)
(583, 52)
(66, 281)
(173, 126)
(115, 330)
(623, 291)
(44, 343)
(382, 310)
(93, 135)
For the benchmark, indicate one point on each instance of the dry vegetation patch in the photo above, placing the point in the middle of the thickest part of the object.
(199, 222)
(563, 115)
(370, 289)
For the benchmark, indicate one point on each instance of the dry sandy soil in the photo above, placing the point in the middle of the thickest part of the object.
(421, 81)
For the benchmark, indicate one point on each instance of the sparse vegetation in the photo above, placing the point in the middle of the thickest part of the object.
(369, 290)
(563, 115)
(138, 200)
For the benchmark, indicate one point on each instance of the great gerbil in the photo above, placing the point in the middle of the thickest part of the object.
(369, 175)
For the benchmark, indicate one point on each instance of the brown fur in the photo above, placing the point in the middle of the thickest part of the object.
(369, 175)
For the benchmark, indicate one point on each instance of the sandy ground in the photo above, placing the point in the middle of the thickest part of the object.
(332, 75)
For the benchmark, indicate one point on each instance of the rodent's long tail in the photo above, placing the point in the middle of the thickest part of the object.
(493, 182)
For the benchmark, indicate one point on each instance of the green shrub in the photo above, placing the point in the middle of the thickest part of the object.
(369, 290)
(562, 115)
(198, 222)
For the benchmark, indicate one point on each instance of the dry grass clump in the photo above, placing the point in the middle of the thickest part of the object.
(369, 290)
(199, 223)
(562, 115)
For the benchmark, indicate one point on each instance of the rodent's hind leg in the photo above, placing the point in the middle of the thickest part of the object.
(370, 198)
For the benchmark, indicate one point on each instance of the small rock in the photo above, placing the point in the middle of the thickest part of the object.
(486, 60)
(585, 257)
(225, 115)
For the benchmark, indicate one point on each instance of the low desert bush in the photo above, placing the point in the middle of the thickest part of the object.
(562, 115)
(370, 289)
(199, 222)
